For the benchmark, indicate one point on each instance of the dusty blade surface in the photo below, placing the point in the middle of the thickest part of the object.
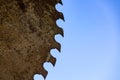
(27, 30)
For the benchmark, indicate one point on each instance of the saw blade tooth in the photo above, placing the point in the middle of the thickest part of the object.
(52, 60)
(43, 72)
(60, 2)
(58, 15)
(60, 31)
(61, 16)
(56, 45)
(55, 2)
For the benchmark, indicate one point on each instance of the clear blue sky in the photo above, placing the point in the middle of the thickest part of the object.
(91, 46)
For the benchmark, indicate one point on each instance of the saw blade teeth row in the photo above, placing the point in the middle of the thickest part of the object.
(56, 45)
(52, 60)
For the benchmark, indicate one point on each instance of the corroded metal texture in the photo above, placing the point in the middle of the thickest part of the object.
(27, 30)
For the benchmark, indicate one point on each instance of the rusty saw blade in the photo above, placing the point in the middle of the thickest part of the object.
(27, 31)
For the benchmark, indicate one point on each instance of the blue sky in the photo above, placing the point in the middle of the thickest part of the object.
(91, 46)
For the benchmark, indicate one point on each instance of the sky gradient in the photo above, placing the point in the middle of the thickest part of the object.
(91, 46)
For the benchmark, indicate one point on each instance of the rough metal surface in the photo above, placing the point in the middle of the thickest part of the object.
(27, 30)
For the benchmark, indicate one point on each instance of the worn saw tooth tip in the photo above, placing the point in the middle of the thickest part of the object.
(62, 16)
(58, 46)
(60, 2)
(52, 60)
(44, 73)
(60, 31)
